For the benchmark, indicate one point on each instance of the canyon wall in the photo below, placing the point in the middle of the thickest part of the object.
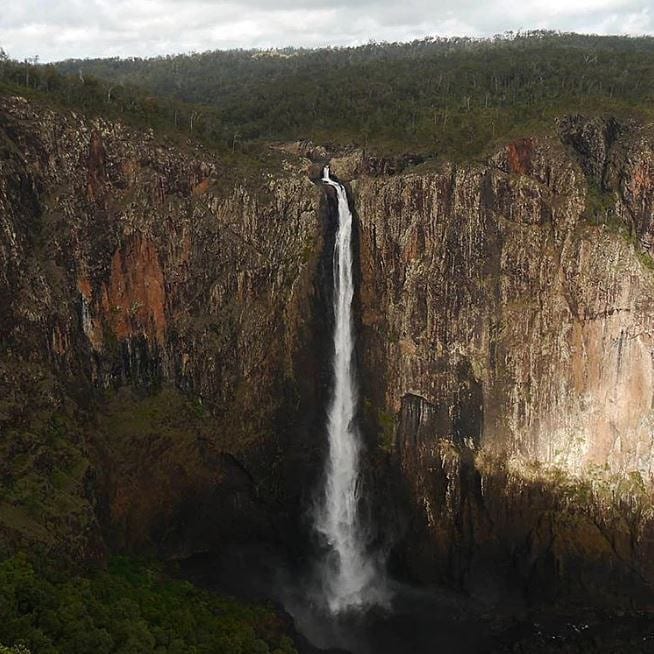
(507, 310)
(164, 348)
(157, 336)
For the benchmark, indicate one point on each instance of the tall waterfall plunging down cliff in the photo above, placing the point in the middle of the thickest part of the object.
(350, 579)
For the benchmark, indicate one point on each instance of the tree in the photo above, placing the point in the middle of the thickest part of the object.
(4, 59)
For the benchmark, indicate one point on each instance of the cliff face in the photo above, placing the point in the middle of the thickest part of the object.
(507, 324)
(165, 336)
(126, 263)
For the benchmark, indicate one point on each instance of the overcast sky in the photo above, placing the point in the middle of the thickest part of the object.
(59, 29)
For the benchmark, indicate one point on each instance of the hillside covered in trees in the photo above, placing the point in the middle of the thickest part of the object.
(91, 95)
(451, 97)
(128, 608)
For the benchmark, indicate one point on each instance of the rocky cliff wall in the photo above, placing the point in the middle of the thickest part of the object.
(130, 263)
(507, 310)
(163, 365)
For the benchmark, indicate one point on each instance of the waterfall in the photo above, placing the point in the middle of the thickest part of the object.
(350, 578)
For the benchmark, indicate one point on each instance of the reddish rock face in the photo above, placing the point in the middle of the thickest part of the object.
(133, 301)
(518, 156)
(201, 187)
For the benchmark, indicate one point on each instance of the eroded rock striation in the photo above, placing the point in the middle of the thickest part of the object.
(128, 263)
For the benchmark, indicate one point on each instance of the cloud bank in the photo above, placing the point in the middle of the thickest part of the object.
(60, 29)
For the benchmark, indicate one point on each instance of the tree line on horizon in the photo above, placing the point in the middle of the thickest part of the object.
(450, 97)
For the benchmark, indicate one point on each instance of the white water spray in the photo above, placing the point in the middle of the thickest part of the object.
(350, 577)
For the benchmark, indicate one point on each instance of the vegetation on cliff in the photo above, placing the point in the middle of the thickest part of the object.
(44, 466)
(47, 508)
(127, 608)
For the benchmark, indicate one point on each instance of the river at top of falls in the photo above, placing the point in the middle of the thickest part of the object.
(350, 578)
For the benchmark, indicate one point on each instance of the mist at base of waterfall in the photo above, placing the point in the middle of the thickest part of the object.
(419, 621)
(416, 621)
(425, 620)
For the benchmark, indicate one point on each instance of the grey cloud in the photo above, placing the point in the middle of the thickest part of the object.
(57, 29)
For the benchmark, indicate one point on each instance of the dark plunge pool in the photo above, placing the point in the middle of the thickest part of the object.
(423, 620)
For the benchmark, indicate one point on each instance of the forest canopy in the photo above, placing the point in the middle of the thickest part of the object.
(450, 95)
(441, 96)
(129, 608)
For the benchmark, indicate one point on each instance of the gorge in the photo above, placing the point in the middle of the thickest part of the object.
(166, 355)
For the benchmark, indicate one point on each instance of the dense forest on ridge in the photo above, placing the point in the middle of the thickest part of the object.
(91, 95)
(450, 97)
